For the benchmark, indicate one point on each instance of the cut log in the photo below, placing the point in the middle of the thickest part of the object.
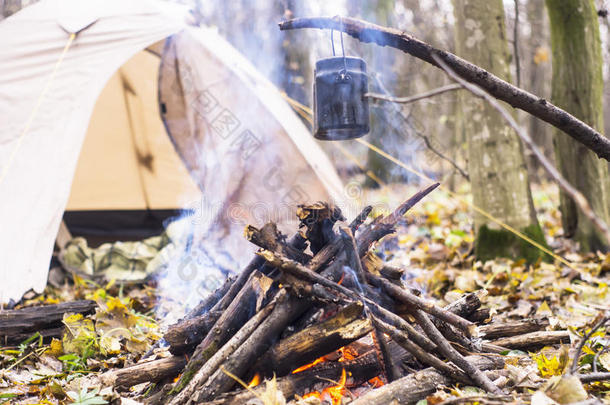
(16, 323)
(417, 386)
(498, 330)
(151, 371)
(534, 339)
(465, 305)
(309, 344)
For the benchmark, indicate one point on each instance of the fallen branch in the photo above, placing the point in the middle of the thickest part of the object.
(498, 88)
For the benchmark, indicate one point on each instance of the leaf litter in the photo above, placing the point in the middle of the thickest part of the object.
(434, 244)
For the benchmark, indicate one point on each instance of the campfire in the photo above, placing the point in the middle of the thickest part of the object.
(320, 318)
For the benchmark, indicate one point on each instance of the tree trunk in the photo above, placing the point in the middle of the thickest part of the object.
(577, 88)
(496, 163)
(537, 65)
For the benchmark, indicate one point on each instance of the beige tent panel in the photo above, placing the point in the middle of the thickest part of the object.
(127, 160)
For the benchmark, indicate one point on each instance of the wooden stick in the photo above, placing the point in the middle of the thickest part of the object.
(500, 89)
(423, 356)
(498, 330)
(448, 351)
(303, 272)
(351, 251)
(231, 320)
(330, 250)
(383, 226)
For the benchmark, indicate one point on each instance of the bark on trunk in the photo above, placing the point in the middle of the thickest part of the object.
(496, 165)
(578, 88)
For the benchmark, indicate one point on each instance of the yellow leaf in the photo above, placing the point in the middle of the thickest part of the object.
(544, 309)
(548, 366)
(56, 348)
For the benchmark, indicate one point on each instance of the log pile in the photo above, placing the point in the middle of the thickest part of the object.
(321, 310)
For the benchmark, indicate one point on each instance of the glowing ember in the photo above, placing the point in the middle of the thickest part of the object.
(376, 382)
(177, 377)
(347, 353)
(306, 366)
(335, 393)
(255, 381)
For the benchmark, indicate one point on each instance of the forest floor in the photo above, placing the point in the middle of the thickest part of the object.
(434, 244)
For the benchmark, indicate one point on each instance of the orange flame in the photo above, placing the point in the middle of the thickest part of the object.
(335, 392)
(255, 381)
(306, 366)
(376, 382)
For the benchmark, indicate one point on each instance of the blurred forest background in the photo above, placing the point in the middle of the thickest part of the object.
(453, 138)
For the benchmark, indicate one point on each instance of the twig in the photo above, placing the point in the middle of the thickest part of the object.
(592, 377)
(516, 44)
(586, 337)
(417, 97)
(498, 88)
(596, 358)
(576, 195)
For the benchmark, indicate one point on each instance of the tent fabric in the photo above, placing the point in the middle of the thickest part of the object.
(127, 161)
(35, 190)
(253, 177)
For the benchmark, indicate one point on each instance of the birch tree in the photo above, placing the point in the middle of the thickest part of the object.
(577, 87)
(496, 163)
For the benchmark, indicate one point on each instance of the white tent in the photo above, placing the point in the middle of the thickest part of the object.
(245, 149)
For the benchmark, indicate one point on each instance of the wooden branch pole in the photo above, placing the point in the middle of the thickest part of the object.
(500, 89)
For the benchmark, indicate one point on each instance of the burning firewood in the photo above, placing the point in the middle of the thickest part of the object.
(321, 292)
